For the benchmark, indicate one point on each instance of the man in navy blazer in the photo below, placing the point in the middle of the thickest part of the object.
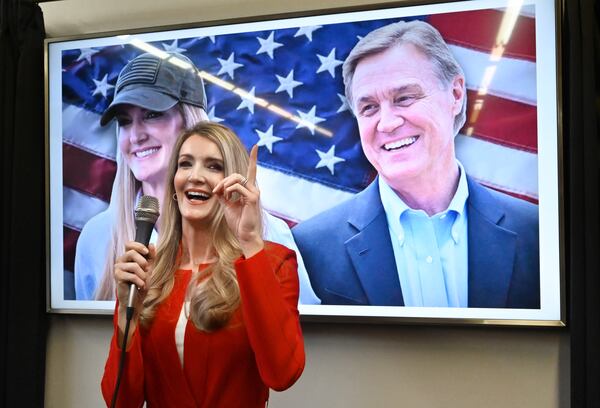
(408, 95)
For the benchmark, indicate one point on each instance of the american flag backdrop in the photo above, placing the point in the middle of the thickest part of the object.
(288, 97)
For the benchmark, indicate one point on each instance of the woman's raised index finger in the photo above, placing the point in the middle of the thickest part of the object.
(251, 176)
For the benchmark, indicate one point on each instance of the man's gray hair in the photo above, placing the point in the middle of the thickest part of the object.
(422, 36)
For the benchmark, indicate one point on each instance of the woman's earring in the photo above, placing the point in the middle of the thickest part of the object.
(175, 196)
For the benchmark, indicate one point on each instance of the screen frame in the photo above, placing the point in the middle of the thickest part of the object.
(101, 307)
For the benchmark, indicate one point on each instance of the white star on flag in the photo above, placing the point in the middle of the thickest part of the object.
(229, 65)
(212, 38)
(86, 53)
(268, 45)
(267, 139)
(173, 47)
(287, 84)
(212, 117)
(328, 159)
(344, 101)
(307, 31)
(309, 119)
(102, 86)
(329, 63)
(248, 101)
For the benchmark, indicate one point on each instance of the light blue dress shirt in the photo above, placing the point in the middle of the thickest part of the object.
(431, 253)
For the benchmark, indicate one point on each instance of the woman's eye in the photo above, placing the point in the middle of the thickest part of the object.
(153, 115)
(122, 121)
(216, 167)
(184, 164)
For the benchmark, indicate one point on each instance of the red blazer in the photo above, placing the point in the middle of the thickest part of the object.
(260, 348)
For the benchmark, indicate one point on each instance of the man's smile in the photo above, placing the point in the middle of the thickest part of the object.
(399, 144)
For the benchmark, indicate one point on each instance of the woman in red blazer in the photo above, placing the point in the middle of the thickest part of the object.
(216, 321)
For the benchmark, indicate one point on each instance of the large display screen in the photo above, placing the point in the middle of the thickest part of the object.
(398, 209)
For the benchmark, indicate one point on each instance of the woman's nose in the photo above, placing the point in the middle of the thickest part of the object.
(138, 132)
(197, 175)
(389, 120)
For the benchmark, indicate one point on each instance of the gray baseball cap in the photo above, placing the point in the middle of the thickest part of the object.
(157, 84)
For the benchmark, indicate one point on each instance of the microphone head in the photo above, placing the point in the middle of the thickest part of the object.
(147, 209)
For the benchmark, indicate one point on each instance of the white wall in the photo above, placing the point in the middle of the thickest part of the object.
(347, 365)
(351, 366)
(369, 366)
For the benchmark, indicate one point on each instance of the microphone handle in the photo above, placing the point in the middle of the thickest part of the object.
(143, 232)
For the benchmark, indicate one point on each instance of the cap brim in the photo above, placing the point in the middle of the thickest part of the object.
(139, 96)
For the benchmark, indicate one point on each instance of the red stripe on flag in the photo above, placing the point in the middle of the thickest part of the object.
(478, 30)
(502, 121)
(70, 237)
(87, 172)
(516, 195)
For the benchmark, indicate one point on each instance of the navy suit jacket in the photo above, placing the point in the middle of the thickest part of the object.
(349, 257)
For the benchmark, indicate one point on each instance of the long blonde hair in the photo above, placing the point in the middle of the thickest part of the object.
(214, 293)
(122, 205)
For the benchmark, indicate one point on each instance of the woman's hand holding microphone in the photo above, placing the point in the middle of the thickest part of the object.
(133, 267)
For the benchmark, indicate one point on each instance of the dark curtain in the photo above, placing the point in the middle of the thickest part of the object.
(581, 81)
(22, 273)
(23, 322)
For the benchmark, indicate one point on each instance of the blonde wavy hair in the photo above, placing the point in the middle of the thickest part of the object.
(122, 205)
(214, 293)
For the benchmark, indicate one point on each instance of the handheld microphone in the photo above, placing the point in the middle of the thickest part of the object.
(146, 214)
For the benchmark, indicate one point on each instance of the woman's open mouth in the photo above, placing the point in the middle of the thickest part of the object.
(140, 154)
(197, 195)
